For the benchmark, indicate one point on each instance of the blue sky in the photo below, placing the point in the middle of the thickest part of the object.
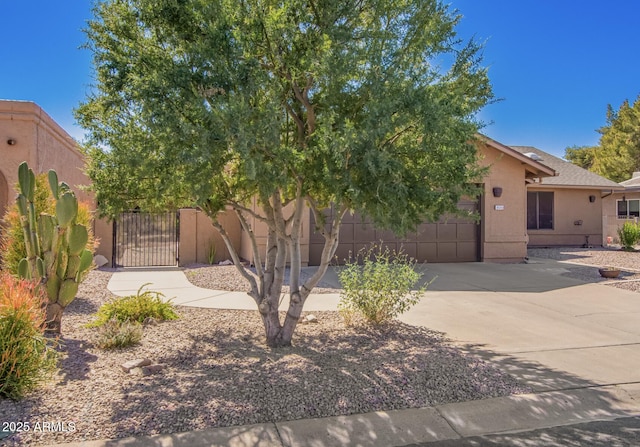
(555, 64)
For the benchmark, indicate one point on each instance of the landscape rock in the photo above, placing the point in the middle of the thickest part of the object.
(100, 261)
(137, 363)
(146, 370)
(150, 321)
(310, 319)
(225, 262)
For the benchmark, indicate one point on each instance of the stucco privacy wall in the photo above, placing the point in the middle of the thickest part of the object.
(28, 134)
(198, 236)
(574, 218)
(260, 230)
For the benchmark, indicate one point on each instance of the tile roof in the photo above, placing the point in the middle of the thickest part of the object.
(568, 173)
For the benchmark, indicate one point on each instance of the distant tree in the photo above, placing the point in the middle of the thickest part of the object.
(271, 108)
(618, 154)
(582, 156)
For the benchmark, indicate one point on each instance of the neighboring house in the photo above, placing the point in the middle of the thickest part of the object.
(622, 206)
(525, 200)
(567, 209)
(28, 134)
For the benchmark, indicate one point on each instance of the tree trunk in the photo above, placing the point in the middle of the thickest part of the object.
(53, 324)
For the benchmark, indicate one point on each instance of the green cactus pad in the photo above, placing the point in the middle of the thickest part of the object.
(52, 287)
(86, 259)
(46, 229)
(66, 209)
(24, 271)
(73, 266)
(40, 267)
(78, 237)
(24, 178)
(53, 183)
(68, 291)
(63, 260)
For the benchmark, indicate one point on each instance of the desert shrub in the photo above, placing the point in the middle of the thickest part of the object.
(135, 308)
(12, 247)
(377, 286)
(27, 357)
(629, 235)
(118, 334)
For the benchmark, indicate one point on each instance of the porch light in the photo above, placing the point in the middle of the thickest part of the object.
(11, 141)
(592, 199)
(497, 191)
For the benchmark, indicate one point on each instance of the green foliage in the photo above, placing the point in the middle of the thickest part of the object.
(211, 103)
(617, 155)
(582, 156)
(55, 244)
(370, 106)
(115, 334)
(211, 253)
(135, 308)
(377, 286)
(27, 357)
(629, 235)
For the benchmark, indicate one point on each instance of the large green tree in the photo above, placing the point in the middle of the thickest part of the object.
(618, 154)
(582, 156)
(274, 107)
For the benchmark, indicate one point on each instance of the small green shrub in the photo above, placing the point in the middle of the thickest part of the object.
(629, 235)
(381, 288)
(135, 308)
(118, 334)
(27, 357)
(211, 253)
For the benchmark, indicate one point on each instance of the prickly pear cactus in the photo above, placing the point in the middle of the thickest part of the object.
(57, 257)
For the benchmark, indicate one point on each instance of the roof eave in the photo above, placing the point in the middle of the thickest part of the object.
(597, 187)
(534, 168)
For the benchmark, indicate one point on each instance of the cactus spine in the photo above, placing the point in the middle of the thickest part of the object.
(56, 256)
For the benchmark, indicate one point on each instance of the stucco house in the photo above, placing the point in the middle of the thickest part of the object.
(566, 209)
(621, 206)
(28, 134)
(527, 198)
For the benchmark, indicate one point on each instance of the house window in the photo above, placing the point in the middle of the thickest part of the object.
(628, 209)
(539, 210)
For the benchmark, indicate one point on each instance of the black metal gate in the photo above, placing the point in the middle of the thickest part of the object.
(146, 239)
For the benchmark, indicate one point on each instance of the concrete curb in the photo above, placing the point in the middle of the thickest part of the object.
(401, 427)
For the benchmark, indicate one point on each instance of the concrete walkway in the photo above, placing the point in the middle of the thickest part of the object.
(174, 285)
(577, 345)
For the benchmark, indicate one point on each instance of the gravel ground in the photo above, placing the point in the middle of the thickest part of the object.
(227, 277)
(583, 264)
(217, 372)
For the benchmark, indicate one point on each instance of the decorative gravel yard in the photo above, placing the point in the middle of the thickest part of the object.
(216, 370)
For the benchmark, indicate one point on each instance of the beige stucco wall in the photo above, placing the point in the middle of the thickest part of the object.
(610, 221)
(39, 141)
(574, 217)
(260, 231)
(197, 235)
(503, 226)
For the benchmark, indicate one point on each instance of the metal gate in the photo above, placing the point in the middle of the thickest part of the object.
(146, 239)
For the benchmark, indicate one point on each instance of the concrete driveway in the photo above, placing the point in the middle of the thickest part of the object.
(550, 330)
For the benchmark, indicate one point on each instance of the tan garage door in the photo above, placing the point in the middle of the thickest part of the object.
(449, 240)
